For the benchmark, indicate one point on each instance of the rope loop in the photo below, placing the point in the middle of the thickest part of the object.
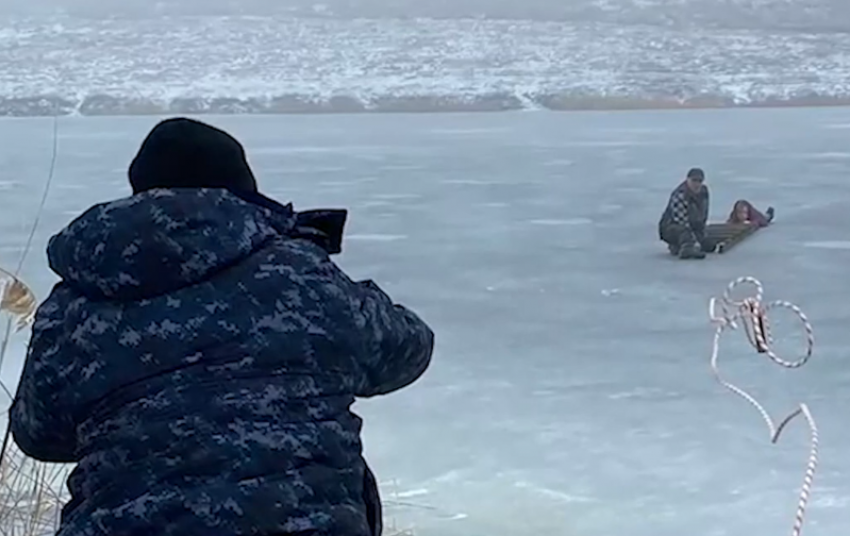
(751, 312)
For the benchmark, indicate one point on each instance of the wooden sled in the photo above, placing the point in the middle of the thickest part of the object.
(728, 235)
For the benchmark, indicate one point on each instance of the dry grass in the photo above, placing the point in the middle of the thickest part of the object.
(16, 299)
(31, 492)
(392, 502)
(391, 528)
(31, 495)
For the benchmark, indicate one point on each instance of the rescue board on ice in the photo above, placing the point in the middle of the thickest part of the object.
(729, 235)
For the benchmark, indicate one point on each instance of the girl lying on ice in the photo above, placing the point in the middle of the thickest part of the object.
(744, 212)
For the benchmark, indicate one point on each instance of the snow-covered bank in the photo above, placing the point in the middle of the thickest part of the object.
(289, 65)
(108, 105)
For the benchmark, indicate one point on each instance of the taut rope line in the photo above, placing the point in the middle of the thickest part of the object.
(753, 315)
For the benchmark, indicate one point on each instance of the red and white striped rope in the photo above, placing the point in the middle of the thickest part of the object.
(753, 315)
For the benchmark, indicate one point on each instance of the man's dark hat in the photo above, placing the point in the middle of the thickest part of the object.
(696, 174)
(184, 153)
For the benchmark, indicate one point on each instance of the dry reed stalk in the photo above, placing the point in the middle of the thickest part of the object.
(24, 511)
(16, 299)
(31, 492)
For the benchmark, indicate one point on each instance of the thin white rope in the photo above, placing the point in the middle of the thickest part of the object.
(753, 315)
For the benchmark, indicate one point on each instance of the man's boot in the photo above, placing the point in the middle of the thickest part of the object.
(691, 251)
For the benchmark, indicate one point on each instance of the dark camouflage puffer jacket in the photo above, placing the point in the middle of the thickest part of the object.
(198, 362)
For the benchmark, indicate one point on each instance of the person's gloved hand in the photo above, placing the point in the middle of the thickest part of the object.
(323, 226)
(704, 242)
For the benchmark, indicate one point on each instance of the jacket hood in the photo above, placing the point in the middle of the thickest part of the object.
(162, 240)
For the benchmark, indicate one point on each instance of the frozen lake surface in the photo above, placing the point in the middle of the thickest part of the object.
(570, 392)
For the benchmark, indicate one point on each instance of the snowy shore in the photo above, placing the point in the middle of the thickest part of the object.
(76, 66)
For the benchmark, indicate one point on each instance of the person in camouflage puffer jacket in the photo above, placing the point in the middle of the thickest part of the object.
(199, 357)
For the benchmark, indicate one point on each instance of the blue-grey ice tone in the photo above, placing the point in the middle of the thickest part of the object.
(570, 391)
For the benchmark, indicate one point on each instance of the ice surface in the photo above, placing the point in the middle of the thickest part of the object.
(280, 64)
(570, 392)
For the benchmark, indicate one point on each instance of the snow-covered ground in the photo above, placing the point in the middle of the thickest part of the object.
(281, 64)
(570, 392)
(814, 16)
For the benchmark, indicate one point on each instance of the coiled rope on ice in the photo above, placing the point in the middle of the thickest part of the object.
(752, 313)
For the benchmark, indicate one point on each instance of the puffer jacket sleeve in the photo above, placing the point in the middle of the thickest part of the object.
(40, 425)
(398, 343)
(394, 344)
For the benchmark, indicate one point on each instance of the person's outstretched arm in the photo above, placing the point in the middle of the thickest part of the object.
(699, 215)
(391, 344)
(397, 343)
(758, 218)
(40, 425)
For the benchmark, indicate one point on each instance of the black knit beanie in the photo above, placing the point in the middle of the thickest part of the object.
(184, 153)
